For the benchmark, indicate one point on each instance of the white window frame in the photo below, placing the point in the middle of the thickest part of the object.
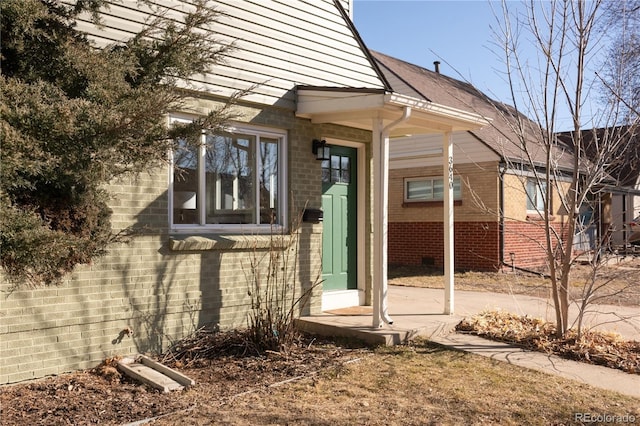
(232, 228)
(456, 197)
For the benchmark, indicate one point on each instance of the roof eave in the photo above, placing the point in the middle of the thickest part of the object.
(359, 107)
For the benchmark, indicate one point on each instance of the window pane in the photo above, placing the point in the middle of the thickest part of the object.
(457, 189)
(438, 189)
(268, 180)
(431, 189)
(185, 184)
(335, 175)
(326, 171)
(345, 168)
(229, 168)
(230, 179)
(531, 195)
(419, 190)
(535, 194)
(335, 162)
(542, 190)
(335, 168)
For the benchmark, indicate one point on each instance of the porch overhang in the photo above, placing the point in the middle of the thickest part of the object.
(356, 108)
(620, 190)
(389, 115)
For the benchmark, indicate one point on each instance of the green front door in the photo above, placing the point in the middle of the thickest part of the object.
(339, 238)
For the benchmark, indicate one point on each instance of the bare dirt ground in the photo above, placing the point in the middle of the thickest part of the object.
(104, 396)
(325, 383)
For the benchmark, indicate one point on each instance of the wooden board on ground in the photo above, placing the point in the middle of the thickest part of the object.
(154, 374)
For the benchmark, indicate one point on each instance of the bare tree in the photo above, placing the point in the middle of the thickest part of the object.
(573, 166)
(621, 78)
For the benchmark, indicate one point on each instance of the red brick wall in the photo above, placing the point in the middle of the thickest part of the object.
(527, 241)
(477, 244)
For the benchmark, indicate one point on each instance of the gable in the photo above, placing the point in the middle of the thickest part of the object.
(278, 45)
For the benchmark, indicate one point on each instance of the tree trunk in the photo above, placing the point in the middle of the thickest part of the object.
(563, 297)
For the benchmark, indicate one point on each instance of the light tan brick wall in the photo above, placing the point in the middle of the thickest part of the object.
(161, 294)
(480, 194)
(515, 200)
(524, 231)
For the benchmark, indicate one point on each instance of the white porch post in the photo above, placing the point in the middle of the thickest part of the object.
(447, 174)
(379, 193)
(380, 214)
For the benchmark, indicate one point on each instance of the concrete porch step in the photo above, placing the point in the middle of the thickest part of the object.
(357, 323)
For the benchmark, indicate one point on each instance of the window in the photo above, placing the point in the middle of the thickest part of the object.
(336, 170)
(429, 189)
(536, 191)
(230, 181)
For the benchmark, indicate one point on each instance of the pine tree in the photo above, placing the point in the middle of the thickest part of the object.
(73, 117)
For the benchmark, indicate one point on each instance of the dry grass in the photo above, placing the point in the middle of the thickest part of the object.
(420, 384)
(321, 384)
(622, 281)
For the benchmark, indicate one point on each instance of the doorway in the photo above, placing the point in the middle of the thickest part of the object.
(339, 203)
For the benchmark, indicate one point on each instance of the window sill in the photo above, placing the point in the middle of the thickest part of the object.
(536, 217)
(429, 203)
(226, 242)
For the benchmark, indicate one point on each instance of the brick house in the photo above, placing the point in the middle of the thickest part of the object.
(619, 202)
(497, 206)
(311, 82)
(624, 191)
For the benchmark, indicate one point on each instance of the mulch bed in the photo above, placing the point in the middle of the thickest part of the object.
(223, 365)
(607, 349)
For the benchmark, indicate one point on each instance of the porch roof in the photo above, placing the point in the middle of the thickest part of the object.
(355, 107)
(388, 114)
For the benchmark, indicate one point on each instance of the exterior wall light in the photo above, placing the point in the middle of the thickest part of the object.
(321, 150)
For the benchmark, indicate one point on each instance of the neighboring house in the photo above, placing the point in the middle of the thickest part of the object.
(309, 78)
(619, 198)
(497, 203)
(625, 193)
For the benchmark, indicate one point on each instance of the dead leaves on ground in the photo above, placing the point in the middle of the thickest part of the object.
(593, 347)
(108, 369)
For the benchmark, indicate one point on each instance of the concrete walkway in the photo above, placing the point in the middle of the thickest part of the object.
(418, 312)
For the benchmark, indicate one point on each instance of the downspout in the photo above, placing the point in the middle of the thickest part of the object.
(600, 229)
(503, 170)
(625, 235)
(380, 214)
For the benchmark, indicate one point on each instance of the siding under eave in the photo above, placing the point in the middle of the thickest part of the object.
(426, 151)
(279, 45)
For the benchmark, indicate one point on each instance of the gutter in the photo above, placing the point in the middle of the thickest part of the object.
(445, 112)
(381, 205)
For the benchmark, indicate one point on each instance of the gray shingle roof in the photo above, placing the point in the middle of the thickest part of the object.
(501, 135)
